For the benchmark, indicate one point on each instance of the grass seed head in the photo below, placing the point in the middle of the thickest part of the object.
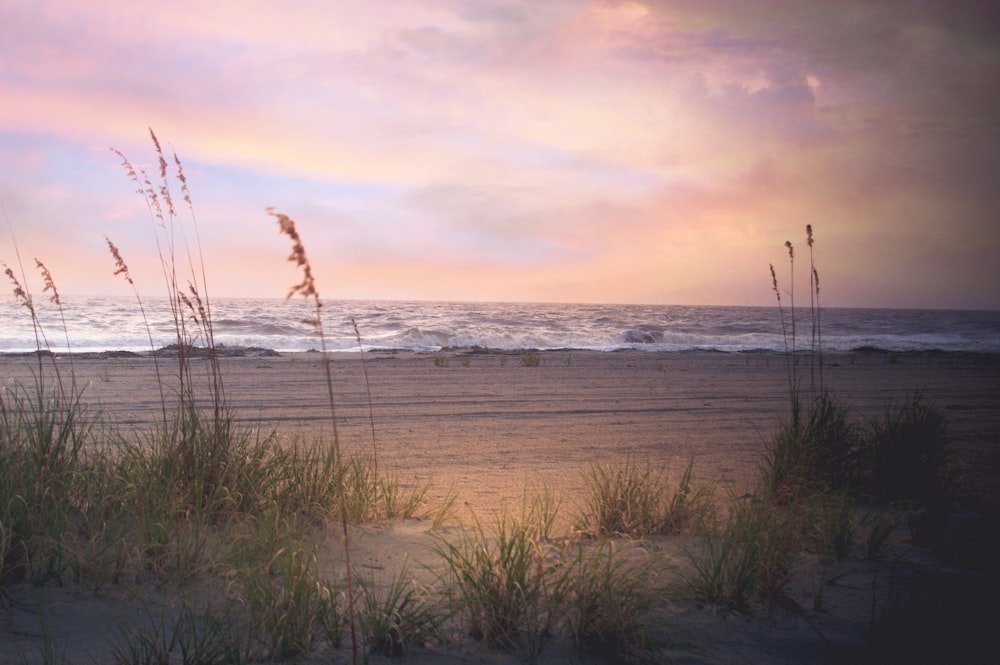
(127, 165)
(120, 267)
(19, 293)
(307, 287)
(159, 154)
(183, 180)
(49, 283)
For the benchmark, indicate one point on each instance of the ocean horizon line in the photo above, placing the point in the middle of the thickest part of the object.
(799, 307)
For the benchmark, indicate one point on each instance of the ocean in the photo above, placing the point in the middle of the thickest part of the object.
(96, 324)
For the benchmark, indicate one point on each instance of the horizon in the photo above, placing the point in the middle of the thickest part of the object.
(41, 302)
(572, 152)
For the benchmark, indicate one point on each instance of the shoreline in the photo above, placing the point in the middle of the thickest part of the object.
(490, 426)
(224, 351)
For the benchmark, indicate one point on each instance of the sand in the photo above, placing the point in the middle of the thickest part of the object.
(489, 428)
(487, 425)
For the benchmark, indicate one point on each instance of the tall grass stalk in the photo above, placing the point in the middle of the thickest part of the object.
(22, 296)
(789, 360)
(816, 384)
(791, 289)
(42, 437)
(187, 297)
(819, 330)
(121, 268)
(307, 289)
(49, 284)
(815, 348)
(368, 390)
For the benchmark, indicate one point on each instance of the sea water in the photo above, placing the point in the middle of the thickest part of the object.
(93, 324)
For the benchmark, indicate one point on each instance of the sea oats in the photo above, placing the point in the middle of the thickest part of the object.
(20, 294)
(49, 283)
(307, 287)
(159, 153)
(183, 180)
(791, 287)
(120, 267)
(129, 169)
(190, 306)
(164, 187)
(784, 331)
(152, 199)
(368, 388)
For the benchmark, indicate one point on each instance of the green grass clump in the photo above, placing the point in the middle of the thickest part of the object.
(817, 449)
(749, 556)
(291, 608)
(907, 454)
(901, 455)
(531, 359)
(608, 597)
(43, 434)
(633, 499)
(393, 616)
(274, 605)
(196, 634)
(507, 585)
(514, 587)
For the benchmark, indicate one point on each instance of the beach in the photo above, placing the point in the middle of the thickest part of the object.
(491, 427)
(491, 424)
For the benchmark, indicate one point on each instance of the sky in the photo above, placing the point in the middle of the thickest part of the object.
(657, 152)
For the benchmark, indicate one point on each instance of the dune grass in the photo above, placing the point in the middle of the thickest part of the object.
(397, 613)
(816, 471)
(630, 498)
(747, 557)
(505, 582)
(516, 589)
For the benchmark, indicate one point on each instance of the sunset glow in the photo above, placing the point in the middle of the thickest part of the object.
(558, 151)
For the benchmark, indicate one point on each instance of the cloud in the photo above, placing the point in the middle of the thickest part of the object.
(569, 150)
